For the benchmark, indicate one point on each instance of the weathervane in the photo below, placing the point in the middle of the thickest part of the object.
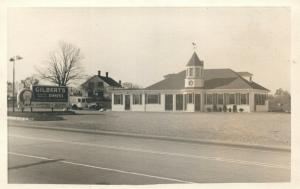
(194, 46)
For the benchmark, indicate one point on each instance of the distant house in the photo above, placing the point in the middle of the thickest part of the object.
(127, 85)
(99, 87)
(74, 91)
(196, 89)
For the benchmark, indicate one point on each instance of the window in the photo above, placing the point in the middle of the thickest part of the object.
(231, 98)
(83, 100)
(137, 98)
(226, 95)
(153, 99)
(99, 93)
(197, 72)
(220, 99)
(100, 84)
(214, 98)
(118, 99)
(190, 99)
(91, 85)
(245, 98)
(79, 100)
(209, 99)
(179, 102)
(168, 102)
(190, 71)
(238, 98)
(260, 99)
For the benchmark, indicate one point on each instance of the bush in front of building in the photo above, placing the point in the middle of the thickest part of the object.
(224, 108)
(234, 108)
(215, 109)
(208, 109)
(220, 109)
(229, 109)
(241, 109)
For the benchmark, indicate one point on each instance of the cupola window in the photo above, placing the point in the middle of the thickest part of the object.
(197, 72)
(190, 71)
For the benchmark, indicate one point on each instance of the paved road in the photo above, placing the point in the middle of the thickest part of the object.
(59, 157)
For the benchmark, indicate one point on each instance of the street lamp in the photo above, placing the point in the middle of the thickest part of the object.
(14, 59)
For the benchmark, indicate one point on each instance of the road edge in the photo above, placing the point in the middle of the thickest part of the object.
(167, 138)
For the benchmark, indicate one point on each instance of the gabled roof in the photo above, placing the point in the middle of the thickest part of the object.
(110, 81)
(213, 79)
(195, 61)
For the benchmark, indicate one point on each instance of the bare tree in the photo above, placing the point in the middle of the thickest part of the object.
(28, 81)
(63, 65)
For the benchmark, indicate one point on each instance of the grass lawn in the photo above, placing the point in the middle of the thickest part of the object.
(253, 128)
(40, 115)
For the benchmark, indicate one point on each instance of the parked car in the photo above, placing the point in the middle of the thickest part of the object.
(94, 106)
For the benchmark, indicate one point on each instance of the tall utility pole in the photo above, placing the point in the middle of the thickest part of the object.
(14, 59)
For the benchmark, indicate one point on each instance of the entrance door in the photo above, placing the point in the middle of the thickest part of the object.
(127, 102)
(179, 102)
(168, 102)
(198, 102)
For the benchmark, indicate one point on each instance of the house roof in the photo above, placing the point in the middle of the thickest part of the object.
(213, 79)
(110, 81)
(195, 61)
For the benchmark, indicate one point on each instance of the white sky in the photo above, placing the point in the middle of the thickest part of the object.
(140, 45)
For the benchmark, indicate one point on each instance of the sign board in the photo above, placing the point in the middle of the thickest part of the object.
(42, 96)
(24, 98)
(49, 94)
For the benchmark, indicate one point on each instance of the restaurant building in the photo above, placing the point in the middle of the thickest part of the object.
(196, 89)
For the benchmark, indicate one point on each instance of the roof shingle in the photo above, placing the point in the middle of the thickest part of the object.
(195, 61)
(110, 81)
(213, 79)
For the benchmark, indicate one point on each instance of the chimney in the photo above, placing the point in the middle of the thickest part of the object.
(99, 73)
(250, 79)
(120, 82)
(106, 74)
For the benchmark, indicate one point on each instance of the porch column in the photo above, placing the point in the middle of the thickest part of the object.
(251, 101)
(174, 102)
(112, 101)
(202, 101)
(183, 102)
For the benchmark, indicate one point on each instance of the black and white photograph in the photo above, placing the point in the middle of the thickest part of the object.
(148, 96)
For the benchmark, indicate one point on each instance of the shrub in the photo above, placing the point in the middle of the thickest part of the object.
(241, 109)
(215, 109)
(220, 109)
(229, 109)
(234, 109)
(224, 108)
(208, 109)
